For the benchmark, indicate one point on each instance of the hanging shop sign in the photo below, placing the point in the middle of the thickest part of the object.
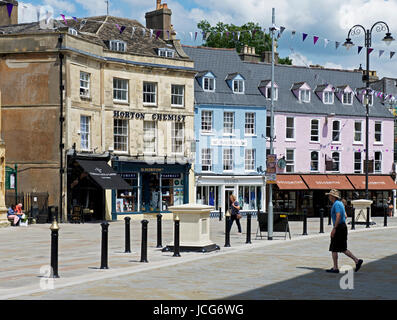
(154, 116)
(271, 161)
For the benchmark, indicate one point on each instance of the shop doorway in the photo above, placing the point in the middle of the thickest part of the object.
(228, 193)
(151, 192)
(320, 200)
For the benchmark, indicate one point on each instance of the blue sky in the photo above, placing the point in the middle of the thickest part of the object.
(326, 19)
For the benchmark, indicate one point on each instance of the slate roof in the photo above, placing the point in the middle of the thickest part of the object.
(101, 29)
(225, 61)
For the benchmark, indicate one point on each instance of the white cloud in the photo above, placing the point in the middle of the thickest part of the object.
(300, 60)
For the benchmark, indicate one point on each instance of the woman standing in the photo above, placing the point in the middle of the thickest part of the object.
(235, 215)
(390, 207)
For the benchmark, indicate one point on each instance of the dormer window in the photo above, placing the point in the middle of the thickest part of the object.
(304, 95)
(238, 86)
(72, 31)
(362, 96)
(166, 53)
(266, 89)
(207, 80)
(347, 98)
(117, 45)
(328, 97)
(236, 81)
(302, 91)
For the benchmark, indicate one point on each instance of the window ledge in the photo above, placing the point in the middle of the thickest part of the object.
(290, 140)
(204, 133)
(177, 106)
(358, 143)
(121, 102)
(251, 135)
(378, 143)
(150, 105)
(314, 142)
(336, 142)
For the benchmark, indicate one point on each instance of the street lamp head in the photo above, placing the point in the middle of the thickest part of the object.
(348, 43)
(388, 38)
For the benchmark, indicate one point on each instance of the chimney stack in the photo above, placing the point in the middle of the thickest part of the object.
(160, 19)
(8, 12)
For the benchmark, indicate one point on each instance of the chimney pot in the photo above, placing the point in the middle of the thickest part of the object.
(158, 5)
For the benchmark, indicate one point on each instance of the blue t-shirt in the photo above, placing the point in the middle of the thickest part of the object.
(338, 207)
(233, 209)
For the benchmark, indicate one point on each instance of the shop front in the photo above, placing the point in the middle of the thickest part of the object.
(153, 188)
(380, 188)
(216, 190)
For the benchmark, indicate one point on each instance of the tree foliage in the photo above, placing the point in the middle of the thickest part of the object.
(226, 36)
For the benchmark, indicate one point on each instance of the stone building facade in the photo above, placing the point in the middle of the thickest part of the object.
(128, 101)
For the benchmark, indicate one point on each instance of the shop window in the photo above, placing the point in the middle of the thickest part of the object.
(208, 195)
(172, 190)
(127, 200)
(249, 197)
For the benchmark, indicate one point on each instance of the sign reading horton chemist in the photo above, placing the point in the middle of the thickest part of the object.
(141, 116)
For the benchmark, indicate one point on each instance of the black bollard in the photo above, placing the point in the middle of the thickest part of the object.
(220, 214)
(304, 222)
(159, 237)
(385, 217)
(144, 241)
(127, 235)
(54, 249)
(321, 220)
(104, 251)
(353, 218)
(367, 222)
(248, 228)
(227, 230)
(176, 238)
(329, 215)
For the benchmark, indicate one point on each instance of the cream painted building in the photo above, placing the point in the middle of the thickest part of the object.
(128, 102)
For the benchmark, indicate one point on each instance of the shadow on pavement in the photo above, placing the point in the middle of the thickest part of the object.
(375, 280)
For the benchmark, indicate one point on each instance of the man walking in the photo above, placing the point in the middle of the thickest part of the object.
(339, 232)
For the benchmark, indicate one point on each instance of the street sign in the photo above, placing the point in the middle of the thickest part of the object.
(271, 162)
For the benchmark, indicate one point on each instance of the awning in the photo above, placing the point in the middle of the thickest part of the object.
(374, 182)
(103, 175)
(290, 182)
(326, 182)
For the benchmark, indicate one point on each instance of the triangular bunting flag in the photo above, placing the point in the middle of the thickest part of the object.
(64, 19)
(227, 35)
(238, 35)
(75, 18)
(359, 48)
(195, 36)
(250, 32)
(326, 41)
(381, 52)
(158, 33)
(9, 8)
(281, 30)
(370, 50)
(304, 36)
(82, 24)
(151, 33)
(133, 32)
(191, 35)
(143, 32)
(253, 33)
(293, 32)
(207, 35)
(392, 53)
(315, 39)
(337, 44)
(168, 34)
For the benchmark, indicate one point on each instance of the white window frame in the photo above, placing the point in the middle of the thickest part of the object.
(228, 159)
(207, 121)
(249, 159)
(118, 45)
(350, 94)
(339, 131)
(312, 129)
(269, 93)
(177, 137)
(250, 124)
(85, 132)
(85, 79)
(166, 53)
(206, 159)
(306, 96)
(150, 137)
(378, 161)
(338, 162)
(290, 128)
(290, 163)
(118, 132)
(209, 84)
(378, 132)
(238, 86)
(146, 93)
(318, 161)
(225, 117)
(330, 99)
(72, 31)
(371, 99)
(357, 162)
(120, 90)
(178, 95)
(358, 132)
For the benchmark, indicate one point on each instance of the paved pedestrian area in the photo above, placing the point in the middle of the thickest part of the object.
(278, 269)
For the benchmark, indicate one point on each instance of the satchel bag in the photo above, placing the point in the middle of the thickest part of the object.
(238, 215)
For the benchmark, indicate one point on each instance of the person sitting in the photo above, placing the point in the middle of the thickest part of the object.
(12, 215)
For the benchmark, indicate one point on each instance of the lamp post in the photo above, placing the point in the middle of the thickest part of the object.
(356, 30)
(262, 88)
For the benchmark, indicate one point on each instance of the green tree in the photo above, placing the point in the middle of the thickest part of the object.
(226, 36)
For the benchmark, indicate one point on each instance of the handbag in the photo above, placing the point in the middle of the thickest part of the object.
(238, 216)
